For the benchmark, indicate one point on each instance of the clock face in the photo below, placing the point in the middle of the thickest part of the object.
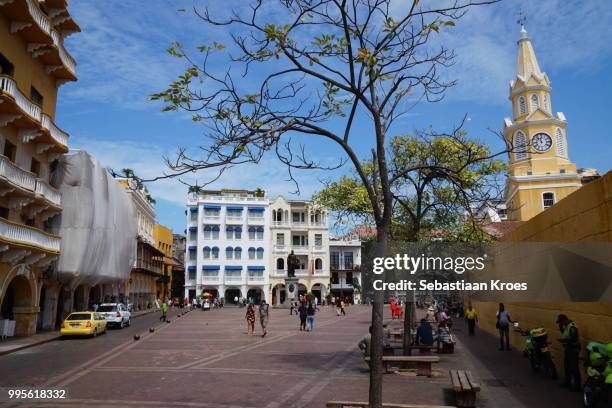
(541, 142)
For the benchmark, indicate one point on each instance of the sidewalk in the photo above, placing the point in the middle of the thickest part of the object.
(13, 344)
(506, 377)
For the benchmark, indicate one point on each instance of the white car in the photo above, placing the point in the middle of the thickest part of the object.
(115, 314)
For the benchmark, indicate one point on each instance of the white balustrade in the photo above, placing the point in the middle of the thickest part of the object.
(256, 278)
(56, 133)
(16, 175)
(48, 192)
(9, 86)
(24, 235)
(233, 278)
(301, 272)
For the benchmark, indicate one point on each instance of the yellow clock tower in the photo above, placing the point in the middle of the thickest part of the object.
(540, 172)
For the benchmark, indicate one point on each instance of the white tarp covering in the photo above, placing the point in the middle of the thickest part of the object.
(98, 225)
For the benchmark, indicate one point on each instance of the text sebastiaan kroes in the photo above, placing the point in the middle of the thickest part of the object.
(458, 265)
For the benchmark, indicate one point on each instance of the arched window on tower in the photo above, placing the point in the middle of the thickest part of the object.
(519, 145)
(522, 106)
(535, 102)
(560, 141)
(546, 104)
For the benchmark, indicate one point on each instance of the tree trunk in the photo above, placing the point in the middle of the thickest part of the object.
(376, 349)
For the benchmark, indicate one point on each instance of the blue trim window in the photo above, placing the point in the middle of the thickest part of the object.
(206, 252)
(229, 253)
(256, 212)
(252, 253)
(233, 232)
(191, 270)
(260, 253)
(215, 252)
(211, 253)
(211, 232)
(212, 211)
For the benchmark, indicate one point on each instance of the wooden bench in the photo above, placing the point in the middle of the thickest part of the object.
(465, 388)
(423, 362)
(355, 404)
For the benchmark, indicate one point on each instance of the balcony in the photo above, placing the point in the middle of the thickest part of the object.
(233, 278)
(210, 279)
(281, 248)
(20, 236)
(15, 177)
(48, 193)
(280, 273)
(256, 278)
(26, 115)
(301, 272)
(300, 249)
(44, 41)
(232, 219)
(343, 285)
(255, 220)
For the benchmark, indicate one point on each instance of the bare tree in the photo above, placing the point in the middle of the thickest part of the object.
(310, 70)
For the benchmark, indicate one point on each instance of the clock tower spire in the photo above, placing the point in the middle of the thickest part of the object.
(540, 172)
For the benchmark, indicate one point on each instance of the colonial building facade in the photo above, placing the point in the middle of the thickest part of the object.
(228, 238)
(345, 268)
(33, 65)
(540, 171)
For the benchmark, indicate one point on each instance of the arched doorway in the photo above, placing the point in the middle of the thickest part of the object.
(214, 293)
(318, 290)
(231, 294)
(18, 294)
(302, 289)
(278, 294)
(255, 295)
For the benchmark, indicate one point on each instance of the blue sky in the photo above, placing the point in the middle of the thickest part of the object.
(121, 60)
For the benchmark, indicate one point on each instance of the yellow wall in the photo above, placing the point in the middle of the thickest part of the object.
(584, 216)
(28, 71)
(163, 241)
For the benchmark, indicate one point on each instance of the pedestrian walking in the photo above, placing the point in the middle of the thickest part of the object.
(264, 316)
(164, 310)
(342, 308)
(250, 319)
(503, 325)
(472, 318)
(236, 299)
(310, 317)
(571, 349)
(291, 309)
(302, 311)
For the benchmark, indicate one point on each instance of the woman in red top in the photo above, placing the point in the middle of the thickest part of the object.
(250, 318)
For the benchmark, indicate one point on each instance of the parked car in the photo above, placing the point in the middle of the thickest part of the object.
(83, 324)
(116, 314)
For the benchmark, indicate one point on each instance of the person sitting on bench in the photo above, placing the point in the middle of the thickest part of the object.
(444, 336)
(424, 334)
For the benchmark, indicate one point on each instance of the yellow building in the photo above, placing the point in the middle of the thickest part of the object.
(33, 65)
(540, 171)
(163, 241)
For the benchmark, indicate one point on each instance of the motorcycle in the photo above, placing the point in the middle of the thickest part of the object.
(598, 386)
(537, 350)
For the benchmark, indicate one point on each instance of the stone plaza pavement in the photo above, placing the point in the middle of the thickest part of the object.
(206, 359)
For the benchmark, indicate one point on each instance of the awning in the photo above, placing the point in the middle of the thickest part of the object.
(229, 248)
(193, 248)
(193, 209)
(229, 228)
(233, 267)
(211, 228)
(238, 228)
(256, 268)
(212, 207)
(255, 209)
(235, 208)
(191, 268)
(193, 228)
(210, 267)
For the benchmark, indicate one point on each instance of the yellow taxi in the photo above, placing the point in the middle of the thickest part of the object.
(83, 324)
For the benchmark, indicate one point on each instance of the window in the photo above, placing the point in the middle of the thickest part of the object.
(229, 253)
(318, 264)
(211, 232)
(277, 215)
(522, 107)
(349, 278)
(35, 96)
(215, 253)
(193, 235)
(4, 212)
(192, 254)
(35, 167)
(280, 239)
(520, 146)
(194, 216)
(300, 240)
(6, 67)
(348, 260)
(280, 264)
(234, 214)
(252, 253)
(207, 253)
(560, 141)
(229, 233)
(334, 278)
(260, 253)
(237, 253)
(546, 104)
(259, 233)
(192, 276)
(318, 240)
(211, 212)
(10, 150)
(252, 233)
(535, 102)
(335, 259)
(298, 217)
(548, 200)
(238, 233)
(256, 213)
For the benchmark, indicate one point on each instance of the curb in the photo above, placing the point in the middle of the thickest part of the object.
(38, 343)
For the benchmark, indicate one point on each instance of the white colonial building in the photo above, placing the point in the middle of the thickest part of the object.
(301, 227)
(228, 245)
(345, 267)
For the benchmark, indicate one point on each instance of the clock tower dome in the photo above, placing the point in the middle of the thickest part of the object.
(540, 172)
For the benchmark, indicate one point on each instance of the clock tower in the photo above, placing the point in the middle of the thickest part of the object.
(540, 172)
